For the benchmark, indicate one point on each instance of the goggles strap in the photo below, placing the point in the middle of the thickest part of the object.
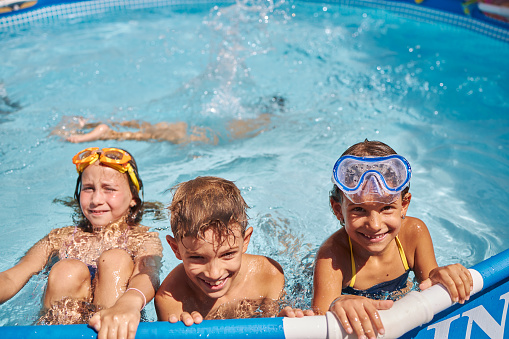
(130, 170)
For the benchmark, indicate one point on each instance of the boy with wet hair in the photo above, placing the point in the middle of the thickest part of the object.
(217, 279)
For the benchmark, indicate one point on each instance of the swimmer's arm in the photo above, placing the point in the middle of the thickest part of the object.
(147, 265)
(417, 236)
(169, 299)
(354, 313)
(456, 278)
(327, 277)
(97, 133)
(327, 284)
(124, 316)
(167, 308)
(13, 279)
(272, 278)
(360, 314)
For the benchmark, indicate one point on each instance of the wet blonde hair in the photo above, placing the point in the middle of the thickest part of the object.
(207, 203)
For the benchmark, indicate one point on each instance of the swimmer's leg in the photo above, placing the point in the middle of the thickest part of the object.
(114, 269)
(96, 134)
(68, 278)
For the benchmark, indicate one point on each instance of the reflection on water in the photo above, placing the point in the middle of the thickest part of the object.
(68, 311)
(246, 308)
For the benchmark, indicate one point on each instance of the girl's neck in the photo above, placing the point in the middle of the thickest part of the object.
(119, 224)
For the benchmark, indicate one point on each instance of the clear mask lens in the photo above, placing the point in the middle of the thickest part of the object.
(364, 179)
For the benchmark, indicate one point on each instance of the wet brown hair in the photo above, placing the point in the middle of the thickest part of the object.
(366, 148)
(135, 212)
(207, 203)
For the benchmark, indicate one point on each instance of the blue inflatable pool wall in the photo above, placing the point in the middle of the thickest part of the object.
(426, 314)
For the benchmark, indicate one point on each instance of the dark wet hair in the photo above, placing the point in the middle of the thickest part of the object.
(135, 212)
(204, 203)
(366, 148)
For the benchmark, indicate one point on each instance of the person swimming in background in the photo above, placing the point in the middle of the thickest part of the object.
(108, 263)
(369, 259)
(217, 279)
(73, 128)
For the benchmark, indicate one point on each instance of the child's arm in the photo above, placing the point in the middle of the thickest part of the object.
(328, 273)
(13, 279)
(359, 314)
(170, 297)
(356, 314)
(456, 278)
(95, 134)
(122, 319)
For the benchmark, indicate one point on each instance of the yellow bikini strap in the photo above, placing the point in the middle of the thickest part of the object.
(402, 254)
(354, 271)
(352, 260)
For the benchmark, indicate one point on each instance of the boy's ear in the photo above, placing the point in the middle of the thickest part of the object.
(247, 238)
(336, 208)
(174, 246)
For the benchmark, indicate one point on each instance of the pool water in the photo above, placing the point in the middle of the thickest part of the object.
(437, 94)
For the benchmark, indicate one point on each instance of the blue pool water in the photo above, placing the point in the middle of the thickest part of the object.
(437, 94)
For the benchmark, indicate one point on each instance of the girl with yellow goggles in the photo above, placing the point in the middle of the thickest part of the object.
(115, 158)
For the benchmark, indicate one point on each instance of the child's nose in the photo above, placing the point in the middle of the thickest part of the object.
(375, 221)
(97, 197)
(214, 270)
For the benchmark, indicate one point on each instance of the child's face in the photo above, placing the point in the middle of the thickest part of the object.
(105, 196)
(372, 225)
(210, 264)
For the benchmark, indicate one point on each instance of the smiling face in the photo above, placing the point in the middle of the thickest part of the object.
(105, 195)
(372, 225)
(212, 264)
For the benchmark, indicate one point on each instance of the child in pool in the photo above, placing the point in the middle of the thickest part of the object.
(71, 128)
(216, 279)
(372, 254)
(108, 259)
(176, 133)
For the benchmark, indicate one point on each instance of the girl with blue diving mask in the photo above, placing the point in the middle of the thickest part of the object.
(364, 266)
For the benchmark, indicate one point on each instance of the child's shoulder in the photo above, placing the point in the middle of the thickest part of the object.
(62, 232)
(262, 264)
(412, 227)
(175, 282)
(263, 269)
(265, 275)
(334, 246)
(413, 232)
(172, 293)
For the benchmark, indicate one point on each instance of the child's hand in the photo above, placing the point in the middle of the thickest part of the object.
(294, 312)
(187, 319)
(456, 278)
(119, 321)
(359, 314)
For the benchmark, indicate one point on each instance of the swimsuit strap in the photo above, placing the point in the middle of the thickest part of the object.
(354, 271)
(402, 254)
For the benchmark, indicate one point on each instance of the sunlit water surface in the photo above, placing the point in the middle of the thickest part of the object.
(435, 93)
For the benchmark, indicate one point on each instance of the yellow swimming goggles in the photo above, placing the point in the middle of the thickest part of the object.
(113, 157)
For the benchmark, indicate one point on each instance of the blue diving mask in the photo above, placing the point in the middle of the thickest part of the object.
(372, 179)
